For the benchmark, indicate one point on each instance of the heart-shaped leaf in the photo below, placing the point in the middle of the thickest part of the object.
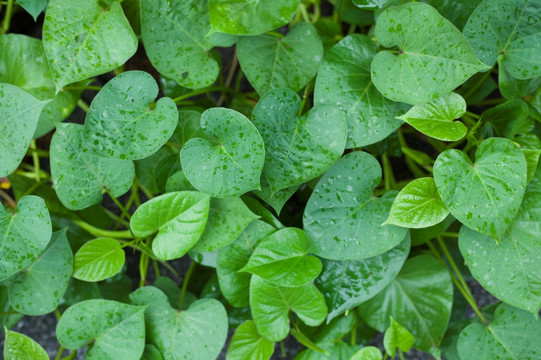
(271, 62)
(344, 80)
(298, 148)
(343, 219)
(80, 177)
(21, 347)
(33, 7)
(24, 234)
(247, 344)
(85, 38)
(485, 195)
(433, 56)
(512, 88)
(396, 336)
(367, 353)
(275, 199)
(508, 118)
(228, 161)
(98, 259)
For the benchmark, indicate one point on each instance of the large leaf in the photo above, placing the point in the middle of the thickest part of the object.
(24, 235)
(174, 35)
(197, 333)
(344, 80)
(85, 38)
(433, 56)
(270, 62)
(19, 115)
(298, 148)
(21, 347)
(485, 195)
(46, 279)
(98, 259)
(419, 298)
(248, 344)
(80, 177)
(228, 161)
(180, 219)
(342, 217)
(511, 28)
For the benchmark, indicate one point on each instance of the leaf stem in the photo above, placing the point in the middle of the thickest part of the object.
(450, 234)
(202, 91)
(119, 204)
(143, 268)
(473, 115)
(229, 79)
(185, 282)
(89, 87)
(338, 14)
(125, 234)
(84, 106)
(59, 353)
(7, 17)
(282, 349)
(7, 313)
(8, 199)
(489, 102)
(275, 34)
(35, 159)
(388, 175)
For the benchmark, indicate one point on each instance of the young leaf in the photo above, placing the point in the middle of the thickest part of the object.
(25, 234)
(228, 160)
(367, 353)
(80, 177)
(33, 7)
(508, 118)
(247, 344)
(298, 148)
(98, 259)
(180, 219)
(433, 56)
(271, 62)
(85, 38)
(282, 259)
(344, 80)
(115, 330)
(418, 205)
(485, 195)
(396, 336)
(275, 199)
(21, 347)
(343, 219)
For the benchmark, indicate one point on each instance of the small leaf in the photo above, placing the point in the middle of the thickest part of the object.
(247, 344)
(367, 353)
(508, 118)
(33, 7)
(396, 336)
(275, 199)
(21, 347)
(98, 260)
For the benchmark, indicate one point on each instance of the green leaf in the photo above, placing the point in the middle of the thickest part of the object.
(98, 260)
(250, 17)
(270, 62)
(24, 234)
(367, 353)
(228, 160)
(346, 284)
(282, 259)
(513, 334)
(113, 329)
(336, 350)
(198, 333)
(396, 336)
(151, 353)
(19, 115)
(512, 88)
(437, 117)
(530, 145)
(178, 182)
(33, 7)
(485, 195)
(298, 148)
(46, 279)
(227, 220)
(344, 80)
(85, 38)
(418, 205)
(511, 28)
(174, 35)
(508, 118)
(189, 126)
(12, 317)
(419, 298)
(343, 219)
(80, 177)
(275, 199)
(247, 344)
(180, 219)
(270, 306)
(21, 347)
(433, 56)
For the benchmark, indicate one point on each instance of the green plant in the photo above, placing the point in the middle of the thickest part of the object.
(372, 157)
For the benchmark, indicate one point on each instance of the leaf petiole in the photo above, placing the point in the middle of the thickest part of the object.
(124, 234)
(185, 282)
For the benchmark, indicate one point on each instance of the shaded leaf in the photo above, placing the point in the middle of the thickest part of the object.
(247, 344)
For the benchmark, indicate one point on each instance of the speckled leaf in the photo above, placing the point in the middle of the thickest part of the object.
(346, 284)
(418, 205)
(419, 298)
(343, 219)
(228, 161)
(234, 285)
(120, 122)
(437, 117)
(21, 347)
(368, 353)
(344, 80)
(371, 4)
(178, 182)
(511, 28)
(227, 219)
(248, 344)
(270, 306)
(512, 334)
(33, 7)
(24, 235)
(433, 56)
(197, 333)
(80, 177)
(112, 329)
(336, 350)
(298, 149)
(512, 88)
(275, 199)
(397, 336)
(178, 217)
(485, 195)
(19, 114)
(12, 317)
(250, 17)
(530, 145)
(270, 62)
(46, 279)
(98, 260)
(174, 35)
(85, 38)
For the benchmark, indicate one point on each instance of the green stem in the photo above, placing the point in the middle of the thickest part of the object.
(450, 234)
(473, 115)
(282, 349)
(307, 91)
(156, 268)
(89, 87)
(125, 212)
(7, 313)
(57, 313)
(489, 102)
(7, 17)
(304, 12)
(401, 354)
(229, 79)
(202, 91)
(35, 159)
(84, 106)
(125, 234)
(185, 283)
(143, 268)
(451, 261)
(59, 353)
(275, 34)
(8, 199)
(338, 14)
(317, 12)
(388, 175)
(353, 339)
(71, 356)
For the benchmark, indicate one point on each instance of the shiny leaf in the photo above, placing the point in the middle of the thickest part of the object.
(247, 344)
(98, 259)
(21, 347)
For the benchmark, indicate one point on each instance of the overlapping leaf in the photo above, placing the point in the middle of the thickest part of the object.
(248, 344)
(21, 347)
(98, 259)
